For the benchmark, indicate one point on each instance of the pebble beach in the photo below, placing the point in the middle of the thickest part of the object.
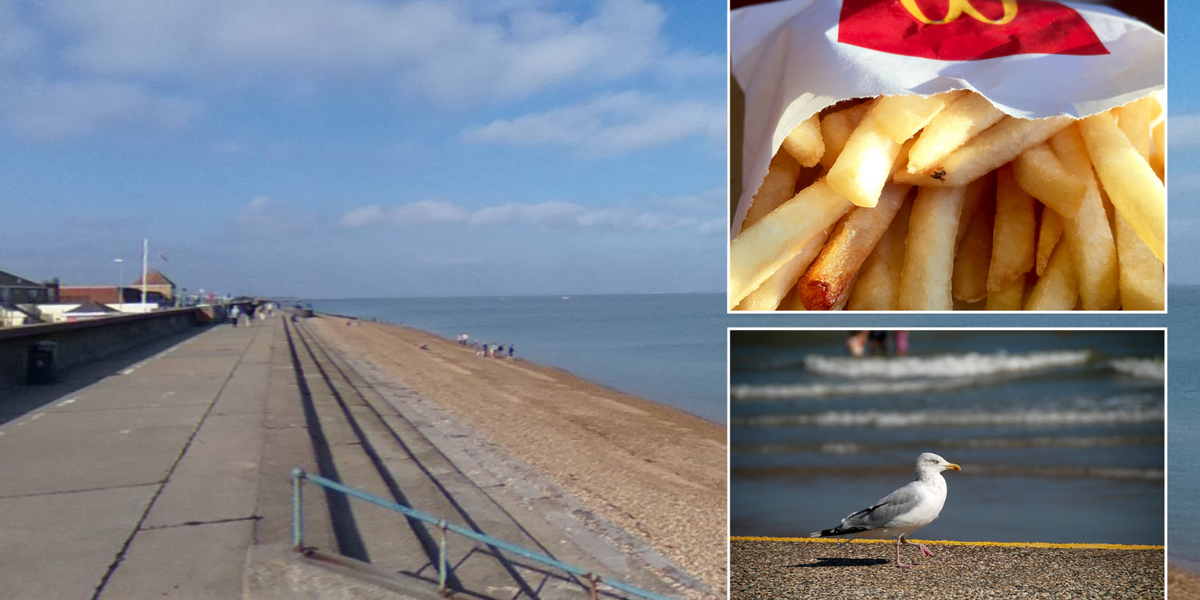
(820, 569)
(656, 472)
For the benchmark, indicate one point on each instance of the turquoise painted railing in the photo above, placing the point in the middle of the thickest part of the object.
(299, 476)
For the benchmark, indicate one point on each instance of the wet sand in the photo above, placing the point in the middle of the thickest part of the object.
(655, 471)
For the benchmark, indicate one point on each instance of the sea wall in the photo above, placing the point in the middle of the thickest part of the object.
(85, 341)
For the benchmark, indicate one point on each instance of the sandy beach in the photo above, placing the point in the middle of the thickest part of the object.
(654, 471)
(1182, 583)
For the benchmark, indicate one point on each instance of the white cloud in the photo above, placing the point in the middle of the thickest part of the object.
(442, 49)
(1183, 133)
(264, 216)
(56, 110)
(610, 124)
(124, 53)
(1184, 184)
(556, 214)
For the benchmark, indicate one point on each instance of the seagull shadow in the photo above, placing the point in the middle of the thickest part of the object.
(844, 562)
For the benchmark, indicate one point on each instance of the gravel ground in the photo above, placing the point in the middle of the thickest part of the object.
(771, 569)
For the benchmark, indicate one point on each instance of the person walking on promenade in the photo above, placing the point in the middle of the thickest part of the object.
(234, 314)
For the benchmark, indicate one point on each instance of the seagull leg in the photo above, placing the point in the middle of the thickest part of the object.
(898, 563)
(924, 550)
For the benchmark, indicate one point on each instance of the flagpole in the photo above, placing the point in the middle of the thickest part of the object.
(145, 254)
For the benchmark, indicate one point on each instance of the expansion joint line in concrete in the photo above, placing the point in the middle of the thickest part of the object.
(198, 523)
(112, 568)
(82, 490)
(1077, 546)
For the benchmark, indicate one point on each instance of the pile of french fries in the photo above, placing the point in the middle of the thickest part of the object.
(944, 202)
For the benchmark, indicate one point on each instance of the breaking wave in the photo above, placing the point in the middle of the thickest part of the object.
(1141, 368)
(945, 366)
(824, 390)
(880, 418)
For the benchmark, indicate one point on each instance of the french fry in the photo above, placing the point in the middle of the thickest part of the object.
(903, 116)
(997, 145)
(826, 282)
(902, 156)
(778, 187)
(1134, 121)
(1089, 233)
(925, 281)
(962, 120)
(865, 163)
(1058, 289)
(1049, 231)
(1041, 214)
(804, 142)
(1043, 176)
(1158, 160)
(1014, 241)
(978, 192)
(1009, 298)
(879, 278)
(836, 128)
(771, 293)
(974, 254)
(765, 246)
(1142, 276)
(1131, 183)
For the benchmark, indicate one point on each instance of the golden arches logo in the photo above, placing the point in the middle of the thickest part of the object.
(957, 8)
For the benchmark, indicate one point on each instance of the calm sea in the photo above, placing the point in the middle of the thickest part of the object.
(668, 348)
(1060, 434)
(1183, 449)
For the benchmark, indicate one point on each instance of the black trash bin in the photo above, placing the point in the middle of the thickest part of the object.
(41, 363)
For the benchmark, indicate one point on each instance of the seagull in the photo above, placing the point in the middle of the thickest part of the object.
(902, 511)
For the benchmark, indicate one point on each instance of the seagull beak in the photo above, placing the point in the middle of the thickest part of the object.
(953, 467)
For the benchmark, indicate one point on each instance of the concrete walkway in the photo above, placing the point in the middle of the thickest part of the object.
(150, 482)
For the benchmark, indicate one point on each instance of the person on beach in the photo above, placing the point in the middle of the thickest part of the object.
(901, 342)
(510, 352)
(500, 349)
(485, 350)
(879, 342)
(856, 343)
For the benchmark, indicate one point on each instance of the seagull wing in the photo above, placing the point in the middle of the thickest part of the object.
(881, 514)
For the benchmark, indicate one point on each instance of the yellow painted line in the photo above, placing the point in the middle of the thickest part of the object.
(951, 543)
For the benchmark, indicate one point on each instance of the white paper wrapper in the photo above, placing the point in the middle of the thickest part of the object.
(788, 61)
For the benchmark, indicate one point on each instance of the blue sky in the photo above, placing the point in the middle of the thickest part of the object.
(1183, 142)
(353, 148)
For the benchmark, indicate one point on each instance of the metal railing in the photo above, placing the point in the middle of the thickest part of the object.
(594, 579)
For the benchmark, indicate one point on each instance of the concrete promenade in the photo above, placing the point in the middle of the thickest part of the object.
(151, 479)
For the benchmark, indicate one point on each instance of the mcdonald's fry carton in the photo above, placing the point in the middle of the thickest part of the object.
(1030, 58)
